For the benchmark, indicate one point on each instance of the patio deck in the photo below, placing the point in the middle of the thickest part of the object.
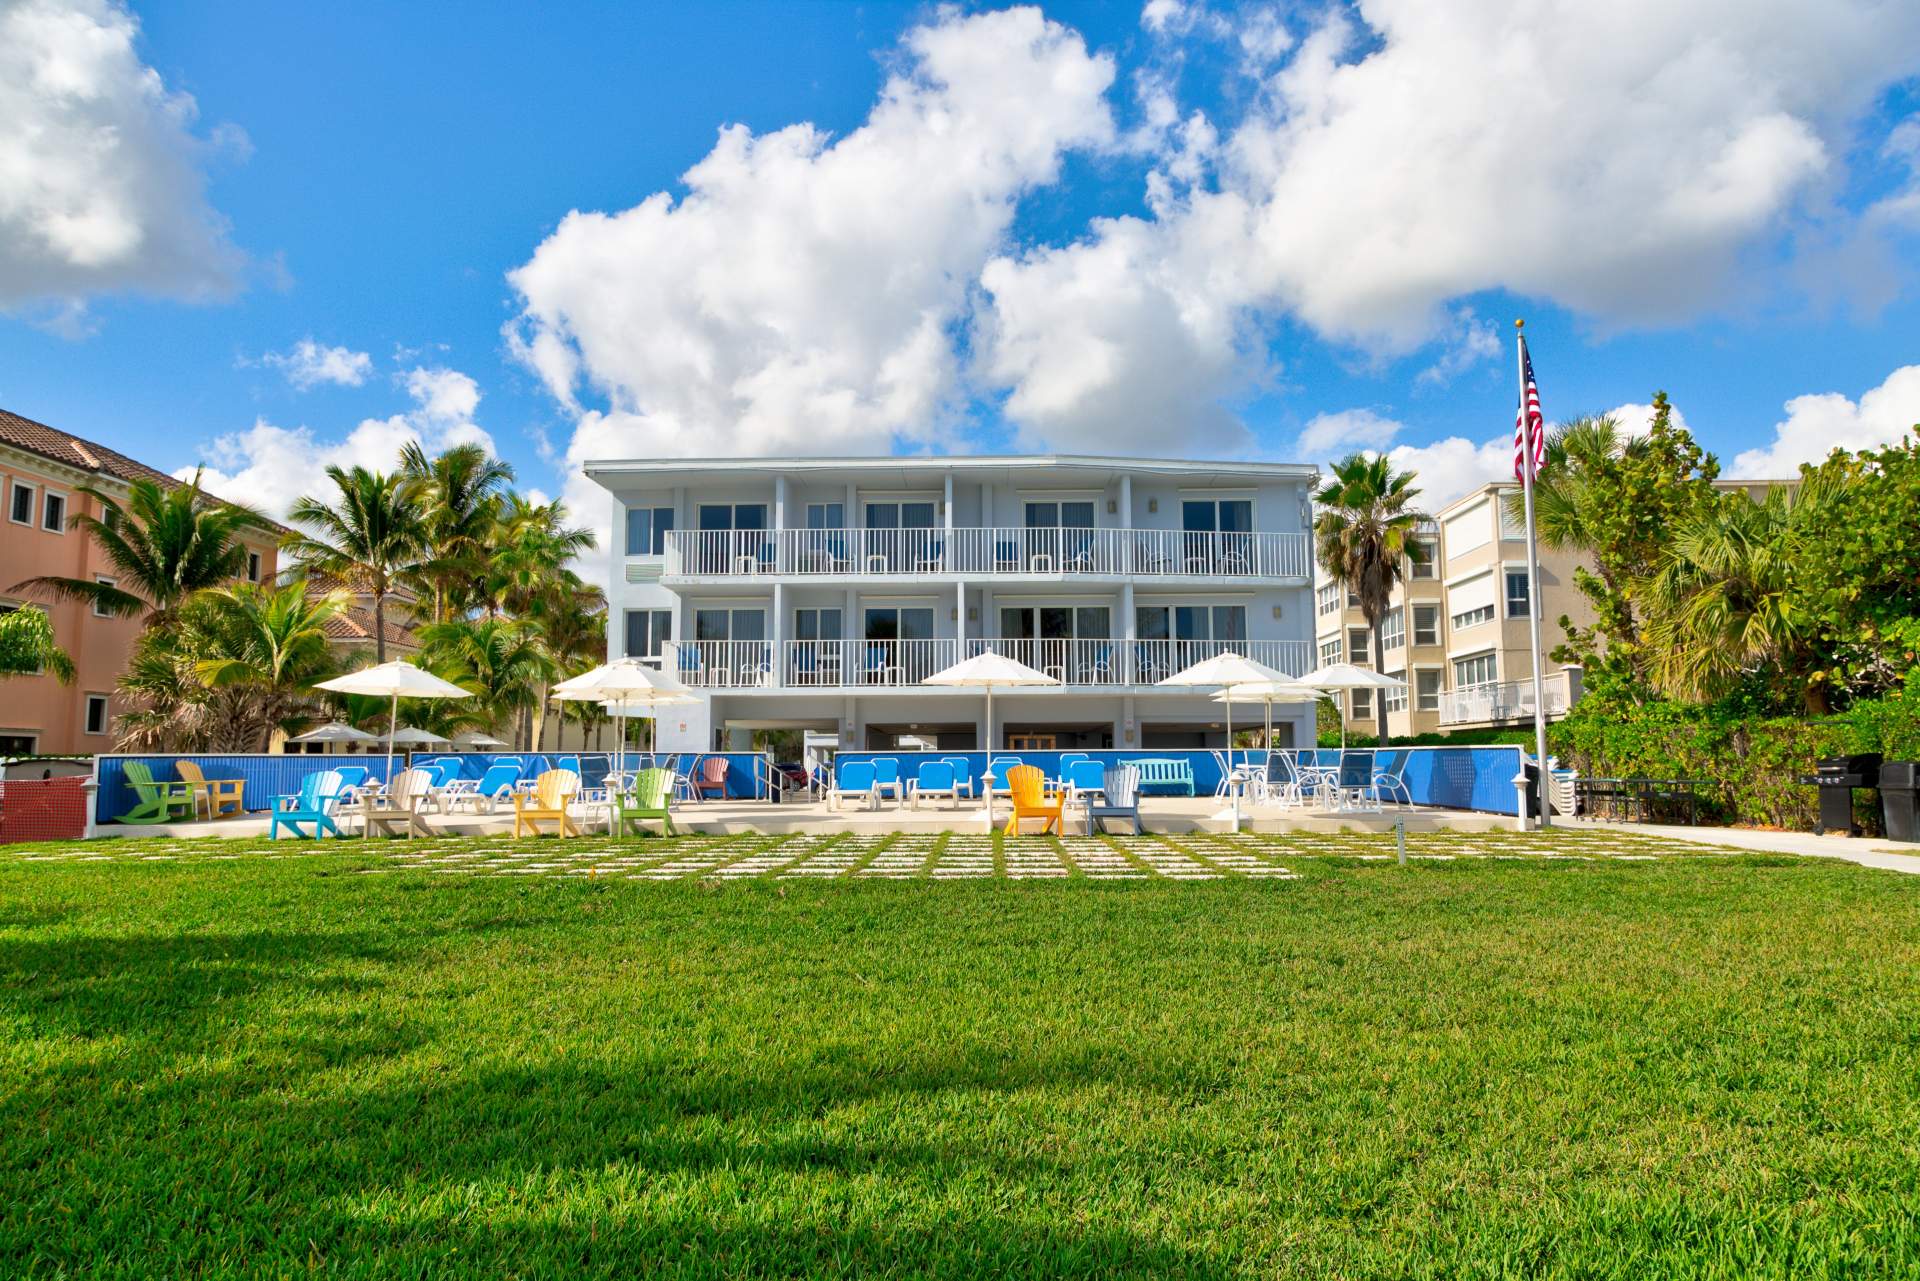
(1173, 815)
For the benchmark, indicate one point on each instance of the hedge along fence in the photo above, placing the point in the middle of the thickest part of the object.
(266, 775)
(1755, 763)
(1464, 778)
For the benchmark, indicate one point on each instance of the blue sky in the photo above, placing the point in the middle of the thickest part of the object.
(1327, 218)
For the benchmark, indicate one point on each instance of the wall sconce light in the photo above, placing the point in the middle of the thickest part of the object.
(952, 614)
(1153, 504)
(1276, 611)
(1113, 506)
(973, 613)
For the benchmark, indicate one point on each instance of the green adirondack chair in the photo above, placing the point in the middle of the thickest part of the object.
(647, 800)
(159, 802)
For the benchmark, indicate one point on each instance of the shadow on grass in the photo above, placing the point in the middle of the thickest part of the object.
(664, 1168)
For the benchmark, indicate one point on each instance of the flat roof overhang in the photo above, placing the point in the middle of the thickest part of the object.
(905, 473)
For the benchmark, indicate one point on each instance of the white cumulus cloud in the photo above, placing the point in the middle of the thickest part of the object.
(806, 292)
(268, 466)
(1616, 159)
(1337, 434)
(1453, 467)
(307, 364)
(1820, 423)
(102, 186)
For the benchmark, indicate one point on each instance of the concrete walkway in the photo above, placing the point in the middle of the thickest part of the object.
(1866, 852)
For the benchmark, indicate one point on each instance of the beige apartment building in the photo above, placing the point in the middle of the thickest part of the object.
(1457, 631)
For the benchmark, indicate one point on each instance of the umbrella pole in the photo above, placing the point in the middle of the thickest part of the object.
(1231, 791)
(393, 724)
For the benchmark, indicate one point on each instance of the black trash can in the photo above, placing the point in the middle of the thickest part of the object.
(1899, 781)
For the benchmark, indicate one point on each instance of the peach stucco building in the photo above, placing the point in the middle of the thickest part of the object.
(41, 472)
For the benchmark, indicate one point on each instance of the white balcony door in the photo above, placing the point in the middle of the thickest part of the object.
(899, 535)
(1071, 642)
(1218, 535)
(729, 647)
(816, 648)
(730, 531)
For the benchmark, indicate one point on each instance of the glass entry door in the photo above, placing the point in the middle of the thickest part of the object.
(898, 645)
(900, 537)
(1069, 642)
(1059, 536)
(816, 647)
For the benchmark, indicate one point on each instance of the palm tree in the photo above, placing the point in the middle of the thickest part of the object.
(1364, 537)
(1725, 602)
(573, 624)
(27, 646)
(529, 560)
(463, 493)
(371, 540)
(239, 663)
(164, 544)
(500, 659)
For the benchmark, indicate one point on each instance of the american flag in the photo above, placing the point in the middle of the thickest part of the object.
(1529, 426)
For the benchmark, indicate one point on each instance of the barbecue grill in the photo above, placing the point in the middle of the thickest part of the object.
(1836, 777)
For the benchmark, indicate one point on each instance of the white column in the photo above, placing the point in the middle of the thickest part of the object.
(779, 521)
(1129, 629)
(1126, 522)
(960, 618)
(776, 633)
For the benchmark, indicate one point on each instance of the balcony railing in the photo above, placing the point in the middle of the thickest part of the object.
(879, 553)
(1499, 701)
(883, 664)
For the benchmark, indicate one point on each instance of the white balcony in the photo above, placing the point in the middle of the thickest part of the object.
(1500, 701)
(879, 665)
(1042, 552)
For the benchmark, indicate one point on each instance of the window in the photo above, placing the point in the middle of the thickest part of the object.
(1217, 535)
(1473, 617)
(20, 503)
(97, 611)
(1426, 624)
(1329, 652)
(826, 516)
(1217, 515)
(1396, 698)
(1055, 622)
(1480, 669)
(53, 515)
(1362, 705)
(1353, 600)
(647, 530)
(1051, 515)
(1427, 553)
(96, 713)
(1191, 622)
(1356, 644)
(648, 631)
(1517, 597)
(816, 624)
(1393, 628)
(1426, 690)
(253, 567)
(1327, 598)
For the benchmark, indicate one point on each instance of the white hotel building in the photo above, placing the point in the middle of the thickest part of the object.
(819, 593)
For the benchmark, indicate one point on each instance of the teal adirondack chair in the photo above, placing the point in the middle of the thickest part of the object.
(313, 803)
(159, 802)
(647, 800)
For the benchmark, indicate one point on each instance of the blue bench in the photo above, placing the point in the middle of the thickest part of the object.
(1164, 771)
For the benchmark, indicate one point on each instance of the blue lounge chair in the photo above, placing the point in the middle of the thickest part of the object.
(854, 778)
(1084, 777)
(998, 767)
(962, 775)
(886, 770)
(499, 781)
(314, 803)
(934, 778)
(1353, 788)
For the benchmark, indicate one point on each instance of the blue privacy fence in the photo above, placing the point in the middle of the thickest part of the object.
(1462, 778)
(265, 776)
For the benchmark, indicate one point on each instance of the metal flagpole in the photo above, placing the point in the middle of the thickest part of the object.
(1533, 571)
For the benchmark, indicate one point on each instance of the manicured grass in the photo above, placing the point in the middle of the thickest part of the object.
(280, 1066)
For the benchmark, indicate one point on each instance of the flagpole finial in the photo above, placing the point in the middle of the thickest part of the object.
(1519, 324)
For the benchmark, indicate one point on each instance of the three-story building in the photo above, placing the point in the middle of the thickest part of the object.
(820, 593)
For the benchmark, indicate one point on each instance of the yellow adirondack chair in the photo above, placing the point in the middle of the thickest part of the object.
(552, 792)
(223, 797)
(1028, 786)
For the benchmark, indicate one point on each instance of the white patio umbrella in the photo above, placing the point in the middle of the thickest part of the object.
(625, 681)
(419, 737)
(642, 709)
(1267, 694)
(335, 732)
(1335, 676)
(986, 670)
(1228, 671)
(395, 680)
(474, 738)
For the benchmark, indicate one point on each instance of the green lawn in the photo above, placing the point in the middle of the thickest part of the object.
(1695, 1065)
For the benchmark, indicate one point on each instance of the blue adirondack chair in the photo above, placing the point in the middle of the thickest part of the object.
(314, 803)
